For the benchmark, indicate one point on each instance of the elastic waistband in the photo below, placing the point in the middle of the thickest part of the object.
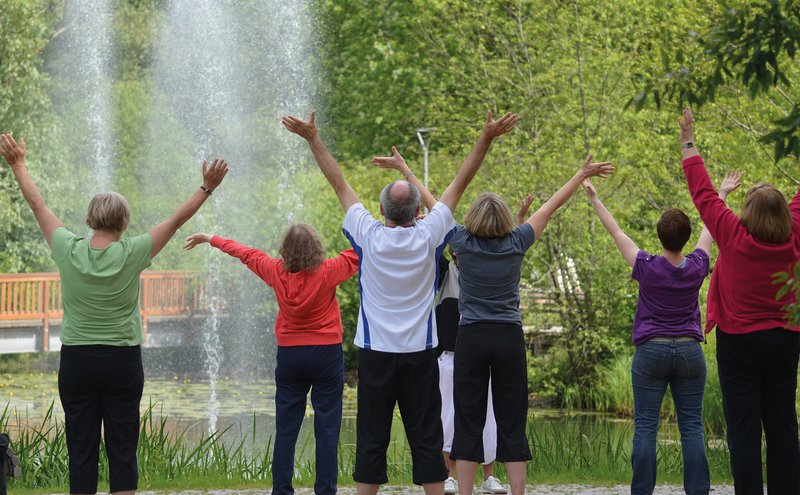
(670, 340)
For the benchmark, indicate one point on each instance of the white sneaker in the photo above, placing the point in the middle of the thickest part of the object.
(450, 486)
(490, 485)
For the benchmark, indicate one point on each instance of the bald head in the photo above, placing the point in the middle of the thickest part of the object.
(400, 201)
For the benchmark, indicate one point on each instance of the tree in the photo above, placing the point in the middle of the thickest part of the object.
(752, 45)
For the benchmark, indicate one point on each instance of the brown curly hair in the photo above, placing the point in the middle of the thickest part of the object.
(301, 248)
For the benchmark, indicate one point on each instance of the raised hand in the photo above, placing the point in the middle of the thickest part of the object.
(395, 162)
(595, 169)
(212, 176)
(731, 182)
(589, 188)
(525, 205)
(686, 124)
(495, 128)
(306, 129)
(13, 153)
(196, 239)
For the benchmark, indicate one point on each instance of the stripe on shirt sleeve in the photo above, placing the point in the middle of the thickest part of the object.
(365, 323)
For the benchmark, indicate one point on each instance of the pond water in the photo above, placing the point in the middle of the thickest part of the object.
(247, 411)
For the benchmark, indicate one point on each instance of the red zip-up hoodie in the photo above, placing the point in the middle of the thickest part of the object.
(741, 298)
(308, 310)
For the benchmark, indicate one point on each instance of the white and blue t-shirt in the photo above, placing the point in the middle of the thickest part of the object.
(397, 278)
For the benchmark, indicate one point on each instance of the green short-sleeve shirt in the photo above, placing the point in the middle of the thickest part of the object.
(100, 288)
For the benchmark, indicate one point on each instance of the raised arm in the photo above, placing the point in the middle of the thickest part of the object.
(491, 130)
(720, 220)
(626, 246)
(212, 177)
(731, 182)
(587, 170)
(522, 213)
(686, 123)
(396, 162)
(330, 169)
(14, 155)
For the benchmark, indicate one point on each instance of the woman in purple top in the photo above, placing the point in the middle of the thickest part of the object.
(667, 335)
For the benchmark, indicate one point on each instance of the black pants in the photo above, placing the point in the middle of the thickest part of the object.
(758, 377)
(412, 381)
(101, 384)
(496, 350)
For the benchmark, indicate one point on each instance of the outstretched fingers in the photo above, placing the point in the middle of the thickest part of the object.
(687, 119)
(504, 124)
(303, 128)
(395, 161)
(213, 175)
(10, 150)
(600, 169)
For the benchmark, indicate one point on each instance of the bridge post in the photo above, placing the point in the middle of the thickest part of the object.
(44, 294)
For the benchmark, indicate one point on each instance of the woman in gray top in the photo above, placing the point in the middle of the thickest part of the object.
(490, 341)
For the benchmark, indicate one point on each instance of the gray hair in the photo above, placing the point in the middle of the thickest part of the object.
(402, 209)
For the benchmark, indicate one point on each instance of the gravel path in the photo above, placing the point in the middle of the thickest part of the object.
(530, 490)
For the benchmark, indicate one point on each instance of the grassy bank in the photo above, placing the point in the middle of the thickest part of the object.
(565, 448)
(614, 393)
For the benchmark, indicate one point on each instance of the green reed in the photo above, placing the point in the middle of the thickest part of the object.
(614, 392)
(565, 448)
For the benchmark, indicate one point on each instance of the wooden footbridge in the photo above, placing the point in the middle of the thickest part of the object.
(30, 309)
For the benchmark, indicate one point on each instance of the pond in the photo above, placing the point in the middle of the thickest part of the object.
(246, 409)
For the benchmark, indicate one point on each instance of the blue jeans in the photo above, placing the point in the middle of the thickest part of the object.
(679, 363)
(319, 368)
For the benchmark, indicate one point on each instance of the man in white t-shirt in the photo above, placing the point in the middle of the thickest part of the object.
(396, 326)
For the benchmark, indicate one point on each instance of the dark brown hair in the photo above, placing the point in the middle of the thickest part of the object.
(765, 214)
(674, 229)
(301, 248)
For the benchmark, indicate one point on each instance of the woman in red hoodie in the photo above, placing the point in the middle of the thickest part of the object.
(308, 329)
(757, 349)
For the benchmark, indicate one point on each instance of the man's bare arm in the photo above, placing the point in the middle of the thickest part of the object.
(307, 129)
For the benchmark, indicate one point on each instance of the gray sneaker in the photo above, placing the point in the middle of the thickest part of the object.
(490, 485)
(450, 486)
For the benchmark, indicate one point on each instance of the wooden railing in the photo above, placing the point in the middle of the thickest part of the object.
(37, 296)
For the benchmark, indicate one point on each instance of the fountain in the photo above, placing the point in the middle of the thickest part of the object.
(223, 73)
(86, 50)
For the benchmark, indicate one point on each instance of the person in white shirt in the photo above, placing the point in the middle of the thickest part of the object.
(396, 330)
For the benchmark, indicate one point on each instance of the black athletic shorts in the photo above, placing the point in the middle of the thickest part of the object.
(412, 381)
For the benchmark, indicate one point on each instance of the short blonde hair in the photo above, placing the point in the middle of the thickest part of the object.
(108, 211)
(489, 216)
(301, 248)
(765, 214)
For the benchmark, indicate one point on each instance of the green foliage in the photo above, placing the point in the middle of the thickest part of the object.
(567, 68)
(790, 284)
(26, 28)
(744, 44)
(613, 392)
(565, 448)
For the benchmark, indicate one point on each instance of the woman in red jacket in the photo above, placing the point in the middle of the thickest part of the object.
(757, 350)
(308, 329)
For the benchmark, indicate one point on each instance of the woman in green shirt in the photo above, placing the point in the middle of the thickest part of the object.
(100, 378)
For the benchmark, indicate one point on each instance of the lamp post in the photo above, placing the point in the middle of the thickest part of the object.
(420, 131)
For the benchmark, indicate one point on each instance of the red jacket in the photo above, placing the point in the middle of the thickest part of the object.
(308, 310)
(741, 298)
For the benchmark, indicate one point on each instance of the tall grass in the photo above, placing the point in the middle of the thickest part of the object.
(565, 448)
(614, 392)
